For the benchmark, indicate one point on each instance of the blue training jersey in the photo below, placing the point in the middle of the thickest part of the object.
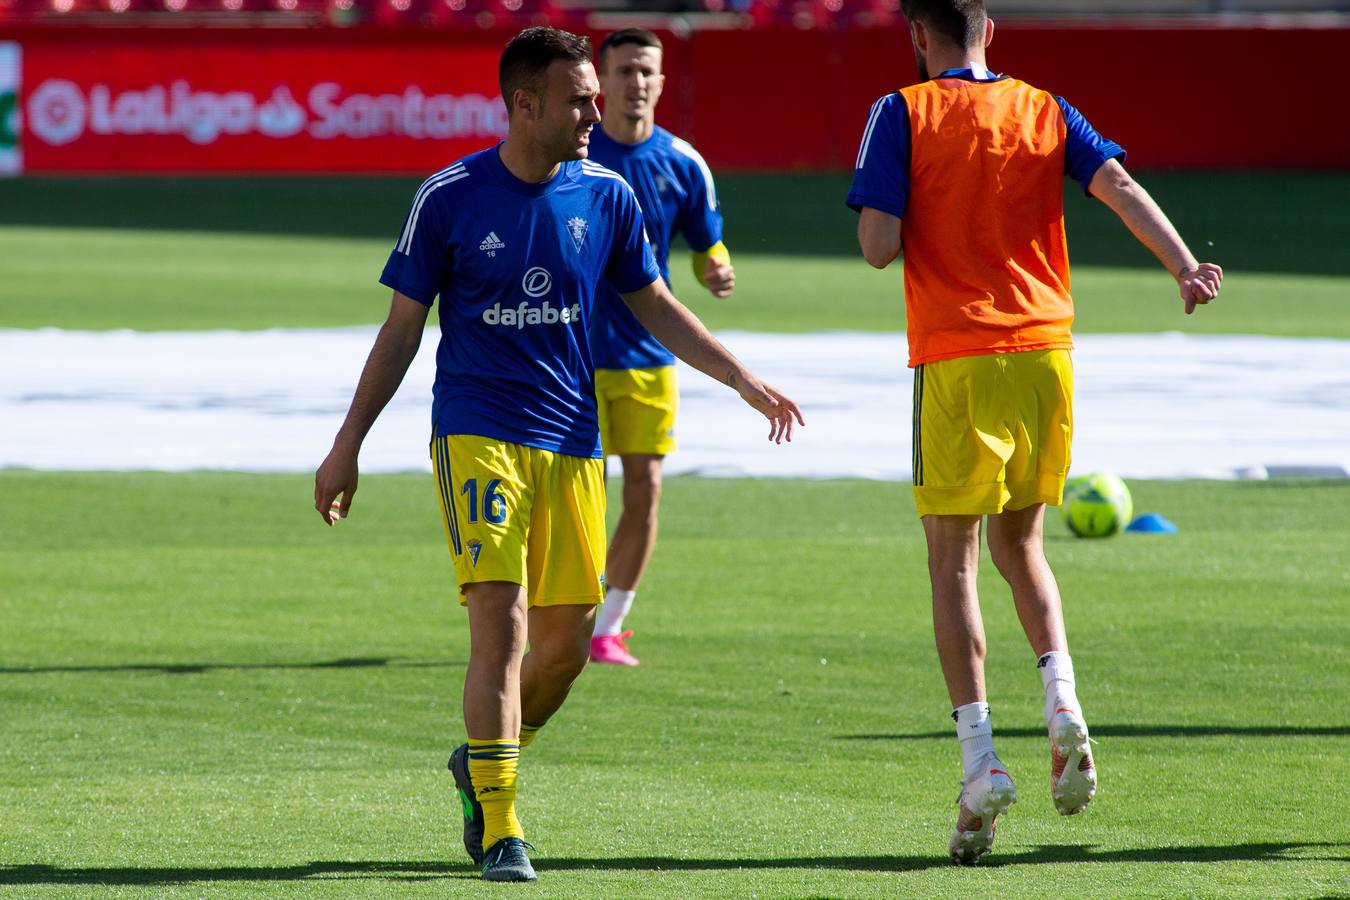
(675, 188)
(517, 266)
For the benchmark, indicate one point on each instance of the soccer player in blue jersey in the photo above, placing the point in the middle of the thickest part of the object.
(515, 240)
(635, 388)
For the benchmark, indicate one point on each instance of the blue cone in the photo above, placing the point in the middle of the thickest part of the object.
(1152, 523)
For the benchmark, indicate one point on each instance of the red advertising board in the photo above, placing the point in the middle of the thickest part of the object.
(230, 107)
(764, 99)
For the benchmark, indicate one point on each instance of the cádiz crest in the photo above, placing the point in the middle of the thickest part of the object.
(576, 226)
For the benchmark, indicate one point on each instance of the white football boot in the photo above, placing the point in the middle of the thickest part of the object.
(1073, 777)
(983, 798)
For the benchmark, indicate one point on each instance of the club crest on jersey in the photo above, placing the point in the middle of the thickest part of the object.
(474, 547)
(576, 226)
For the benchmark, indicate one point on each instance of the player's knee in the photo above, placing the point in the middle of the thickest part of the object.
(952, 563)
(954, 553)
(562, 662)
(1013, 556)
(642, 493)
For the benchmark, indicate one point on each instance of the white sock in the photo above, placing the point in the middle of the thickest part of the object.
(609, 618)
(976, 735)
(1057, 679)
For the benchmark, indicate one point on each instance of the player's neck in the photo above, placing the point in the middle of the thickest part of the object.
(627, 131)
(944, 59)
(525, 162)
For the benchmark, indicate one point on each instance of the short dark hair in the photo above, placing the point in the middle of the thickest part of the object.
(640, 37)
(959, 21)
(527, 56)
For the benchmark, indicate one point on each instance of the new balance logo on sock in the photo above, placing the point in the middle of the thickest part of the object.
(492, 242)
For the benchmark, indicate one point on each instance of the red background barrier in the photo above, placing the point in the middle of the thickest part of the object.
(1171, 95)
(410, 101)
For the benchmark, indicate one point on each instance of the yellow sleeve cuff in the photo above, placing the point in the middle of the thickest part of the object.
(717, 251)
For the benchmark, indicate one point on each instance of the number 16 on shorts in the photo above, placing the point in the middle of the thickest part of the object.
(524, 515)
(493, 503)
(479, 486)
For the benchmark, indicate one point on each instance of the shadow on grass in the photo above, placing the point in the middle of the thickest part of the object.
(166, 875)
(1067, 853)
(1136, 731)
(371, 662)
(422, 870)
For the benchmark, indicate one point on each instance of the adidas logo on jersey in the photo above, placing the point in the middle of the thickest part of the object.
(492, 242)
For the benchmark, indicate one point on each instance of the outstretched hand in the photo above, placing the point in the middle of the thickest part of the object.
(775, 406)
(1199, 285)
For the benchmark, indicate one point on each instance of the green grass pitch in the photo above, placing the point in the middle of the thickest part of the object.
(270, 253)
(205, 692)
(209, 693)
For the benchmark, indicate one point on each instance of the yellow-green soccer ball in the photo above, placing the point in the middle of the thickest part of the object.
(1097, 505)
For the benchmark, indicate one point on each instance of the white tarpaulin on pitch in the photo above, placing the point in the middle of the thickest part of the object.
(1166, 406)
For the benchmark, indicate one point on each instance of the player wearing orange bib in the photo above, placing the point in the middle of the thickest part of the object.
(964, 172)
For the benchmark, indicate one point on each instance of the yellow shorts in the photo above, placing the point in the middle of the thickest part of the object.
(992, 432)
(637, 410)
(531, 517)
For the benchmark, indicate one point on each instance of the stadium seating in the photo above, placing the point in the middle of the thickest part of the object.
(805, 14)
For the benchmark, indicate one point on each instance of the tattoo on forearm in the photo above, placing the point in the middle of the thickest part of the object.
(731, 380)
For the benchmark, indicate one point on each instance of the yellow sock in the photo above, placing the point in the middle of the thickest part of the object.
(527, 733)
(492, 769)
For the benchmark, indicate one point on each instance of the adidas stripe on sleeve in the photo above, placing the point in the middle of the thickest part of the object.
(881, 170)
(700, 219)
(416, 268)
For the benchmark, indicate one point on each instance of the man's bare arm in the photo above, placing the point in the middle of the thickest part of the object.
(395, 347)
(685, 336)
(878, 236)
(1198, 282)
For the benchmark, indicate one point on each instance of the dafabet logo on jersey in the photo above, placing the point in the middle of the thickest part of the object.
(525, 314)
(537, 282)
(11, 161)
